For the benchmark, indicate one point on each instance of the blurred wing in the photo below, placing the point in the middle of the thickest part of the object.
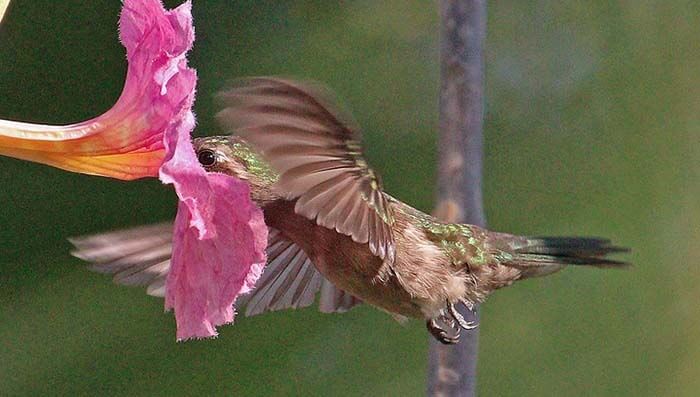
(317, 155)
(137, 257)
(290, 280)
(141, 257)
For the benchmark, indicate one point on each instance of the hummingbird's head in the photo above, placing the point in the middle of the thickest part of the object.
(232, 156)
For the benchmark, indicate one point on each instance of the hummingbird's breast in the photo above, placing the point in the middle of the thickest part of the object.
(421, 279)
(347, 264)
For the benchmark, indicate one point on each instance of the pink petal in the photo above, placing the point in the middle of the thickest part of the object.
(219, 240)
(126, 142)
(219, 236)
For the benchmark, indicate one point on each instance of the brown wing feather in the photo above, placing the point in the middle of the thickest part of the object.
(316, 152)
(141, 257)
(137, 257)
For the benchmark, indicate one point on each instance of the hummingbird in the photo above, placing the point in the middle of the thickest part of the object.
(333, 228)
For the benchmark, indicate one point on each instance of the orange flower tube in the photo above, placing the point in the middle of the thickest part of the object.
(3, 7)
(126, 142)
(219, 235)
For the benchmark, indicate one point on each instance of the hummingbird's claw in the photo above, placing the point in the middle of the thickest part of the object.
(468, 325)
(468, 304)
(453, 320)
(440, 334)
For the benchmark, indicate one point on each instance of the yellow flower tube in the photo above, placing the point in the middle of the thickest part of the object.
(3, 7)
(126, 142)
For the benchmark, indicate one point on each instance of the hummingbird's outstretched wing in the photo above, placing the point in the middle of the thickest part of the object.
(290, 280)
(317, 154)
(141, 257)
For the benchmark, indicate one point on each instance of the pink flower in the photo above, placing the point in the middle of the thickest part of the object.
(219, 237)
(126, 142)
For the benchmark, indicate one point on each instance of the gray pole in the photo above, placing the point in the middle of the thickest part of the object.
(452, 369)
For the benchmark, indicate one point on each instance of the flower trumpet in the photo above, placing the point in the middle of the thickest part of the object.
(126, 142)
(219, 239)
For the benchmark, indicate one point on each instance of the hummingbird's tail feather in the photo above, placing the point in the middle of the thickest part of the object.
(539, 256)
(581, 247)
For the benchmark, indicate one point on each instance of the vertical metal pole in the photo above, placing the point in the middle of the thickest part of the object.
(452, 369)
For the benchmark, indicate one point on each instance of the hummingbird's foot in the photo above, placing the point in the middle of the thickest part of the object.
(468, 304)
(436, 329)
(468, 325)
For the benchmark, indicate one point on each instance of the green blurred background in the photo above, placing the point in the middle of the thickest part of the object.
(592, 120)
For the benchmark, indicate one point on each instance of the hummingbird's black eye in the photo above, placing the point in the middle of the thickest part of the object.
(206, 158)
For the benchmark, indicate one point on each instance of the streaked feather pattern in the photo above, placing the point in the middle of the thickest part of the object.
(141, 257)
(137, 257)
(316, 152)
